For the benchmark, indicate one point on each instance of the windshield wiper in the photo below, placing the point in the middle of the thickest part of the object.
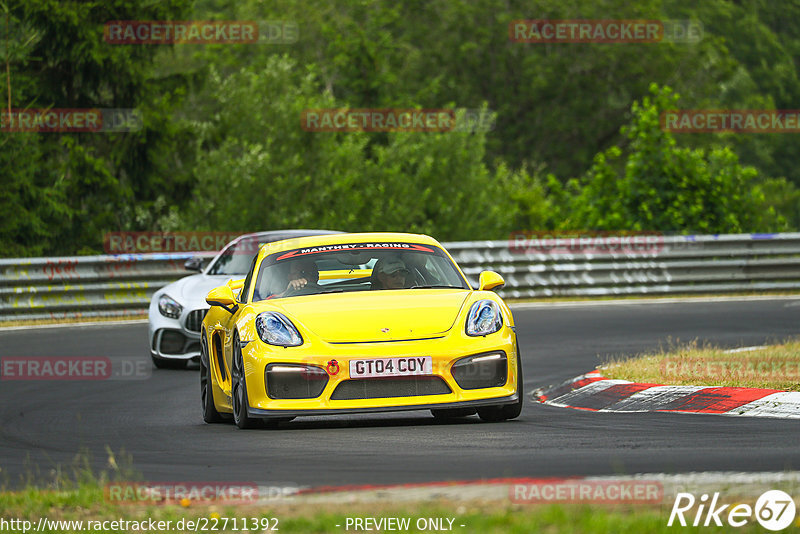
(435, 287)
(333, 291)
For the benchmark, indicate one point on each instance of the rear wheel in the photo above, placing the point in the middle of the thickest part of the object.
(239, 398)
(210, 413)
(495, 414)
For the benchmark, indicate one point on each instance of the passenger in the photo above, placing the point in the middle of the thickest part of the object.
(389, 273)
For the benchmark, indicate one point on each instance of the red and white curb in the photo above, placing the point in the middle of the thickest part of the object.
(594, 392)
(508, 488)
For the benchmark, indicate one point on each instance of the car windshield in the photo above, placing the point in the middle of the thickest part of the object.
(236, 258)
(355, 267)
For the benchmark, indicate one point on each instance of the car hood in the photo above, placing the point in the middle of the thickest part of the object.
(375, 316)
(190, 291)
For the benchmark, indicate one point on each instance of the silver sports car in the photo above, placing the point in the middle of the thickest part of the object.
(177, 310)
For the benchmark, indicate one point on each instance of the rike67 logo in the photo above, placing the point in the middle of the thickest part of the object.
(774, 510)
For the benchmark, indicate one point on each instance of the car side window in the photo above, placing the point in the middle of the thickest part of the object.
(246, 287)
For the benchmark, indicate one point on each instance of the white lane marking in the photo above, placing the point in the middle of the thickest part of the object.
(745, 349)
(630, 302)
(73, 325)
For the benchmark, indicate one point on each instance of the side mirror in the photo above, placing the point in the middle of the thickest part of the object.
(236, 284)
(490, 280)
(194, 263)
(222, 296)
(236, 287)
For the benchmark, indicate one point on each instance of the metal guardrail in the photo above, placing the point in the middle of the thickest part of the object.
(87, 286)
(84, 286)
(667, 265)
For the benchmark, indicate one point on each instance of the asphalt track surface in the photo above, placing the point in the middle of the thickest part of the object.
(157, 421)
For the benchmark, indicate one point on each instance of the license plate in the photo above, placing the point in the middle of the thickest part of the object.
(380, 367)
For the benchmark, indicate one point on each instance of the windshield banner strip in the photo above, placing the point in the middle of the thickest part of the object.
(354, 246)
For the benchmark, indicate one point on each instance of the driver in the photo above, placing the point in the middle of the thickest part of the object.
(302, 273)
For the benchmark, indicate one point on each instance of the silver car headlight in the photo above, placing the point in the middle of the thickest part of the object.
(484, 318)
(169, 307)
(274, 328)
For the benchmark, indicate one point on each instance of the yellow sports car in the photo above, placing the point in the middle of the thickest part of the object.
(358, 323)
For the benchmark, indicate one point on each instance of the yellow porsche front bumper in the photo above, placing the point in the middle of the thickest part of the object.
(343, 393)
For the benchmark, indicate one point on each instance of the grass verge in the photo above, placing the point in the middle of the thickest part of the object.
(769, 367)
(86, 505)
(77, 499)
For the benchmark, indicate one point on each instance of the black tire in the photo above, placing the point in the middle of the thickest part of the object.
(495, 414)
(210, 413)
(444, 414)
(491, 414)
(239, 399)
(512, 411)
(165, 363)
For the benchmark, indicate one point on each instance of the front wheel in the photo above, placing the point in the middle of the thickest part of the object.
(495, 414)
(239, 389)
(168, 363)
(210, 413)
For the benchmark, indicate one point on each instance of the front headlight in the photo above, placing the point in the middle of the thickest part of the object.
(484, 318)
(275, 329)
(169, 307)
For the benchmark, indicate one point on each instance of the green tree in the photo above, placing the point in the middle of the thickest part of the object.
(258, 169)
(93, 182)
(653, 184)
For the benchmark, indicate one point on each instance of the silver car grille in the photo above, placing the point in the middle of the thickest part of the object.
(194, 320)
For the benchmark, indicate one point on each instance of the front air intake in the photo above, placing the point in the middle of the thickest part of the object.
(293, 381)
(481, 371)
(380, 388)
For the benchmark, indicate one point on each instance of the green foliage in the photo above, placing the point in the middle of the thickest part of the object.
(784, 198)
(221, 146)
(71, 188)
(653, 184)
(257, 169)
(32, 200)
(437, 183)
(536, 200)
